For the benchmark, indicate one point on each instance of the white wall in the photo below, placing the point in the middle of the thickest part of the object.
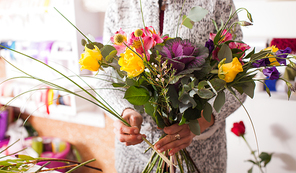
(274, 118)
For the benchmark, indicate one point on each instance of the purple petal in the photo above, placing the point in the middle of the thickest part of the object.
(177, 49)
(197, 62)
(188, 51)
(272, 73)
(166, 52)
(184, 59)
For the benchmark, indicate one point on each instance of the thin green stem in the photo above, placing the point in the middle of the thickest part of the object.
(252, 124)
(253, 153)
(180, 15)
(80, 165)
(143, 17)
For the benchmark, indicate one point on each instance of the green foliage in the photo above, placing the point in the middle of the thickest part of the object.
(137, 95)
(207, 112)
(219, 101)
(225, 52)
(195, 15)
(194, 127)
(265, 158)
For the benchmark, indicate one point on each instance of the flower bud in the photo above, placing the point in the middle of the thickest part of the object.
(244, 23)
(138, 33)
(118, 39)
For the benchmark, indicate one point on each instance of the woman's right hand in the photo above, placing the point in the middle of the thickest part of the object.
(129, 135)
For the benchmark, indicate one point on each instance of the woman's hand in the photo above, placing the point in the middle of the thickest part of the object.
(180, 137)
(129, 135)
(177, 138)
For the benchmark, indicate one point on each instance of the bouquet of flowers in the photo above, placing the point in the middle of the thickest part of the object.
(172, 79)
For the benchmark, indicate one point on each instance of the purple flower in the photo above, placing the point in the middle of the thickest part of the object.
(184, 56)
(210, 45)
(272, 73)
(261, 63)
(282, 54)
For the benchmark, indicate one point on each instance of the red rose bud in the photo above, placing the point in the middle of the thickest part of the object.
(238, 128)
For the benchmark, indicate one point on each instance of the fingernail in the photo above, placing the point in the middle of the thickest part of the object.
(161, 150)
(139, 137)
(171, 154)
(157, 146)
(136, 131)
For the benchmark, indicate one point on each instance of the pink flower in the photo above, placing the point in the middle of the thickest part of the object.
(119, 47)
(240, 46)
(227, 36)
(149, 37)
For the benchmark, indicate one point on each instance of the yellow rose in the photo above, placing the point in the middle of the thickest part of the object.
(272, 59)
(228, 71)
(90, 59)
(131, 63)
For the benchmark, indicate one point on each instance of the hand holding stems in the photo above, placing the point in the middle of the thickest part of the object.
(172, 143)
(132, 136)
(129, 135)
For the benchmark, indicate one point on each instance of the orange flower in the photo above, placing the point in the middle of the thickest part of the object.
(228, 71)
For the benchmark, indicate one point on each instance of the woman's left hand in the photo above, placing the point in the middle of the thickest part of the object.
(177, 138)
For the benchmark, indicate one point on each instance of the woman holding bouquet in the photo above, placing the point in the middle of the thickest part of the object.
(208, 150)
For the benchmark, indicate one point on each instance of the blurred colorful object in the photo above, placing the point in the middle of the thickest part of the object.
(282, 43)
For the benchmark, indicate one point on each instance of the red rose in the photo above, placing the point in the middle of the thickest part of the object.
(238, 128)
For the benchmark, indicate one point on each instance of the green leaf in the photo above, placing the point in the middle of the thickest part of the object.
(225, 52)
(173, 96)
(219, 101)
(183, 121)
(250, 170)
(197, 13)
(118, 84)
(106, 50)
(265, 157)
(249, 88)
(187, 22)
(25, 157)
(83, 42)
(249, 54)
(194, 127)
(207, 112)
(111, 56)
(202, 84)
(137, 95)
(192, 114)
(158, 119)
(205, 93)
(186, 99)
(218, 84)
(149, 108)
(252, 162)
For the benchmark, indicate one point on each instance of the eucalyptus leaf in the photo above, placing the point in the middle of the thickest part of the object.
(197, 13)
(173, 96)
(207, 112)
(219, 101)
(111, 56)
(225, 52)
(202, 84)
(186, 99)
(194, 127)
(137, 95)
(249, 88)
(218, 84)
(205, 93)
(187, 22)
(192, 114)
(106, 50)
